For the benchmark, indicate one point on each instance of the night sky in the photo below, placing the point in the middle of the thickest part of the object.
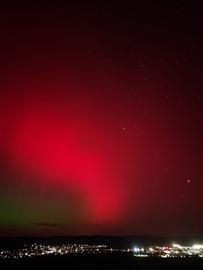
(101, 118)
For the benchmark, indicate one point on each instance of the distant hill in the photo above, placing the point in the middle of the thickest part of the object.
(114, 241)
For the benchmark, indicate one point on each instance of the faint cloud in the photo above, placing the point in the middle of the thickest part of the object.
(47, 224)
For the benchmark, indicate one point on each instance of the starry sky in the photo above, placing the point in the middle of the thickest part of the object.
(101, 118)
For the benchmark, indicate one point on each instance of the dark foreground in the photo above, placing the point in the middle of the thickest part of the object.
(102, 262)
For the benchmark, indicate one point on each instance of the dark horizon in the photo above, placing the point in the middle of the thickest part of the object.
(163, 237)
(127, 241)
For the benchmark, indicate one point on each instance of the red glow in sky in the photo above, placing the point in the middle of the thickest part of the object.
(69, 151)
(100, 119)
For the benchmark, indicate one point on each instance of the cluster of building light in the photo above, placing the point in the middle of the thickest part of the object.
(40, 250)
(174, 250)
